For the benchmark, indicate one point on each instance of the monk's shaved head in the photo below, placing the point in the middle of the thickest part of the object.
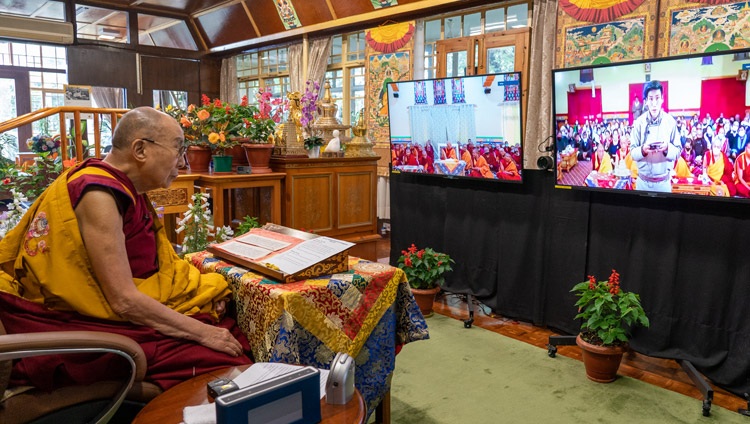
(141, 122)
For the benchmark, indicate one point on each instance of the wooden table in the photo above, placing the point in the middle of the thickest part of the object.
(174, 200)
(167, 407)
(222, 184)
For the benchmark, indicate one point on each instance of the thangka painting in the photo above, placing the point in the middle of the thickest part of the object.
(631, 37)
(378, 4)
(287, 13)
(457, 90)
(382, 70)
(438, 90)
(388, 55)
(702, 28)
(512, 85)
(605, 43)
(420, 93)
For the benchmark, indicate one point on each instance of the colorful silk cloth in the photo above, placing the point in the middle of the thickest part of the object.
(450, 167)
(368, 312)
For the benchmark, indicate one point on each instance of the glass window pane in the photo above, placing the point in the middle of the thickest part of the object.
(501, 59)
(518, 16)
(336, 50)
(336, 80)
(494, 20)
(473, 24)
(453, 27)
(164, 98)
(432, 31)
(356, 93)
(455, 64)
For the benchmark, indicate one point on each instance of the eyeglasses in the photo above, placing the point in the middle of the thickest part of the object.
(180, 151)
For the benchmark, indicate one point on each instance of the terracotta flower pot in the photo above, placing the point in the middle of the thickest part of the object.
(259, 156)
(601, 362)
(425, 298)
(198, 158)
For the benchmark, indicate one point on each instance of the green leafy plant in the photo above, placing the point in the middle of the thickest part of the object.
(247, 224)
(424, 267)
(608, 312)
(313, 141)
(198, 228)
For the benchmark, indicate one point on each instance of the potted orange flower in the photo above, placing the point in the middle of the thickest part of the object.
(424, 268)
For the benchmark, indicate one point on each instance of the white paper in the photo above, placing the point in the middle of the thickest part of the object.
(264, 242)
(308, 253)
(245, 250)
(262, 371)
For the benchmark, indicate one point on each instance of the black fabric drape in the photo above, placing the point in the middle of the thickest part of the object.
(520, 248)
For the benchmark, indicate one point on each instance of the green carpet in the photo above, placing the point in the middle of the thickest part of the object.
(476, 376)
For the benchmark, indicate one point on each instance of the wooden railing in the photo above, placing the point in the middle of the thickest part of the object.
(60, 111)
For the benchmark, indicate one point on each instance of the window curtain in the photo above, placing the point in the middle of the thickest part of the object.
(441, 124)
(296, 77)
(108, 97)
(318, 53)
(228, 80)
(539, 98)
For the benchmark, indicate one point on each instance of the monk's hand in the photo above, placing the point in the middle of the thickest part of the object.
(220, 306)
(220, 339)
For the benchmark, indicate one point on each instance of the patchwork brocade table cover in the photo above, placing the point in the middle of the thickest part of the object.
(365, 312)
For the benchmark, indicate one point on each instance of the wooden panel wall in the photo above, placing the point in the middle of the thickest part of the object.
(102, 67)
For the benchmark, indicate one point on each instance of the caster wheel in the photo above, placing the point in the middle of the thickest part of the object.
(468, 322)
(706, 408)
(551, 351)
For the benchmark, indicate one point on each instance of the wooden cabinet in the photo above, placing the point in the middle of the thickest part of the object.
(334, 197)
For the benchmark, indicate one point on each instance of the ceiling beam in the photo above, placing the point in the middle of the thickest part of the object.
(361, 19)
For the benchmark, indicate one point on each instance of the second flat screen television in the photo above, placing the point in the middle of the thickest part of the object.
(672, 126)
(466, 127)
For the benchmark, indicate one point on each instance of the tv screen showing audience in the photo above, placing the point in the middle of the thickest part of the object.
(466, 127)
(676, 126)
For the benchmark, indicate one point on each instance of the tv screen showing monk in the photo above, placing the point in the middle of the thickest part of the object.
(678, 126)
(467, 127)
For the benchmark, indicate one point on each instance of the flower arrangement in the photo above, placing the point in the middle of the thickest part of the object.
(260, 126)
(196, 223)
(607, 310)
(424, 267)
(44, 144)
(214, 124)
(308, 109)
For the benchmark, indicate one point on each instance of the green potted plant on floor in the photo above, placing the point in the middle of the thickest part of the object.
(424, 268)
(608, 314)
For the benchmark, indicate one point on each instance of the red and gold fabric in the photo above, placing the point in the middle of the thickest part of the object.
(598, 11)
(367, 312)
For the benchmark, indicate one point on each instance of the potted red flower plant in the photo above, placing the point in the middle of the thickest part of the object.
(424, 268)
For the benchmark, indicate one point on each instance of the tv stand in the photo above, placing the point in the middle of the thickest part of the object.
(687, 366)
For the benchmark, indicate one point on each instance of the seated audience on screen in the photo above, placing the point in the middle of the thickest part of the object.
(90, 254)
(508, 169)
(602, 162)
(481, 167)
(718, 167)
(742, 172)
(448, 152)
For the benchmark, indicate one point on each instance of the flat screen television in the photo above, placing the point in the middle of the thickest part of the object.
(669, 126)
(467, 127)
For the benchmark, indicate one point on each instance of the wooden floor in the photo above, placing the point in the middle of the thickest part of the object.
(659, 372)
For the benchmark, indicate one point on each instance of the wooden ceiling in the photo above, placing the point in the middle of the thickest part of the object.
(226, 26)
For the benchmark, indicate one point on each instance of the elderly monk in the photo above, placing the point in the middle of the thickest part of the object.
(90, 255)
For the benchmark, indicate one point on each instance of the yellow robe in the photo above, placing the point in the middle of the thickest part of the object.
(43, 259)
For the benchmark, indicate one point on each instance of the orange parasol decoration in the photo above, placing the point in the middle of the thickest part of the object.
(389, 38)
(598, 11)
